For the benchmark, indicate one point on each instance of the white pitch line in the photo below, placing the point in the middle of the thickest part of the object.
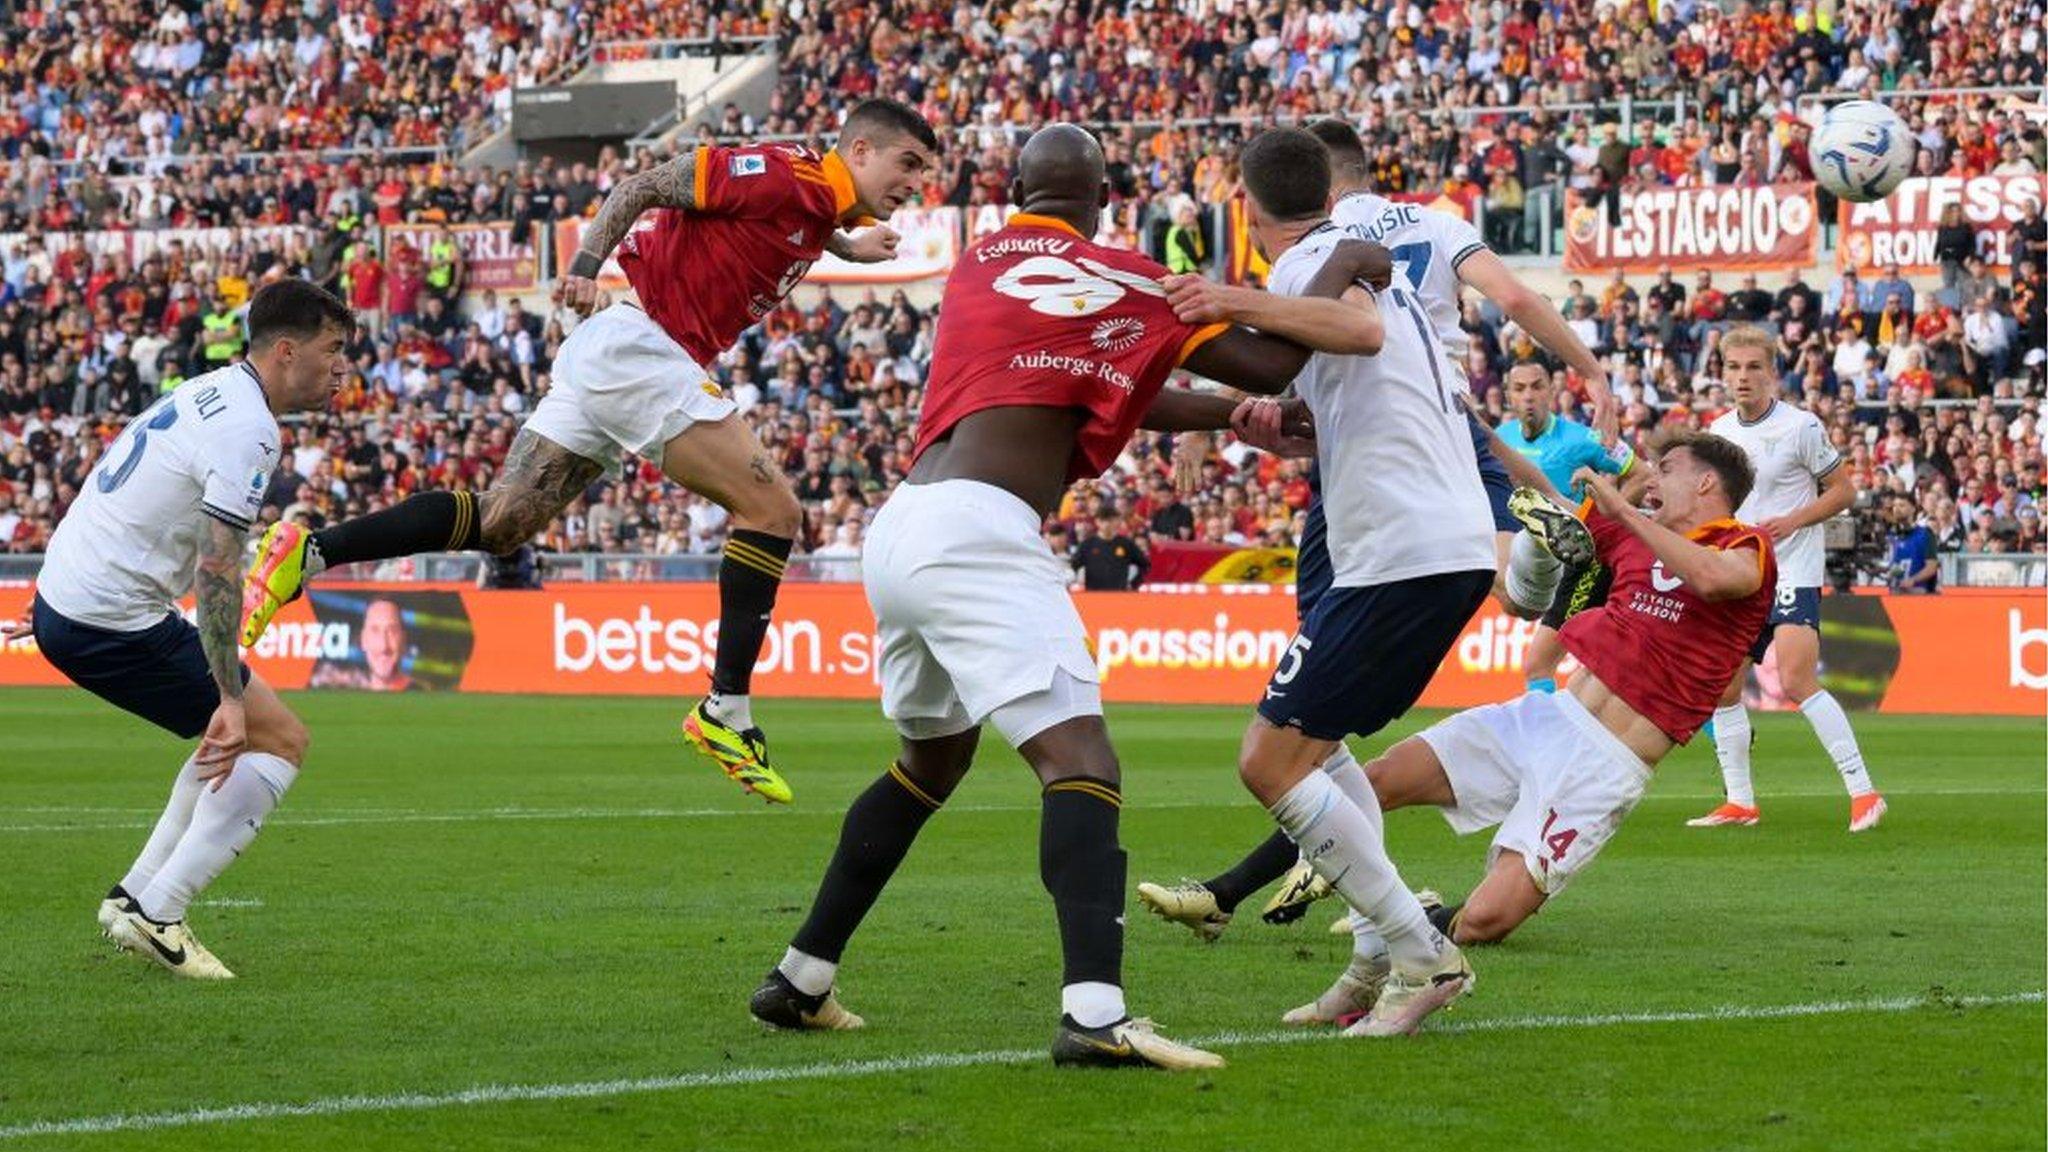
(345, 817)
(600, 1089)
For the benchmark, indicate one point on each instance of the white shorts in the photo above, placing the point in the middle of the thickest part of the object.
(620, 384)
(1544, 769)
(973, 615)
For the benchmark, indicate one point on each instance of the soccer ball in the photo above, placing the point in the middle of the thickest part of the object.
(1861, 151)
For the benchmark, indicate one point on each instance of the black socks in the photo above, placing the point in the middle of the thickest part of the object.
(423, 522)
(1083, 867)
(880, 827)
(1267, 863)
(748, 579)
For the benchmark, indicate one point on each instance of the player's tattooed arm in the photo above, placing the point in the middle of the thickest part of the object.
(669, 185)
(218, 590)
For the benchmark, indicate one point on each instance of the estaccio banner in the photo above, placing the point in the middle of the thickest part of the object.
(1724, 227)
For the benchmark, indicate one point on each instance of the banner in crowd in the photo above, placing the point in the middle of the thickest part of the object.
(489, 257)
(1184, 562)
(1961, 652)
(930, 244)
(1900, 229)
(196, 244)
(1719, 228)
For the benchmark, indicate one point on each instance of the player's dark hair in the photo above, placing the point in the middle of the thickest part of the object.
(1287, 171)
(1347, 151)
(1724, 456)
(884, 117)
(296, 309)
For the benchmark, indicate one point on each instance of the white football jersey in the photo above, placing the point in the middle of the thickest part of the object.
(1790, 451)
(125, 553)
(1401, 490)
(1428, 246)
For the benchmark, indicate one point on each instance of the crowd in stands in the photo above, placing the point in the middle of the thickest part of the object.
(833, 391)
(86, 341)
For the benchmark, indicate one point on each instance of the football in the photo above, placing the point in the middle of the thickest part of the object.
(1862, 150)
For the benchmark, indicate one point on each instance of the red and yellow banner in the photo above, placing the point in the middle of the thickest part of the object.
(1719, 228)
(1971, 652)
(1900, 229)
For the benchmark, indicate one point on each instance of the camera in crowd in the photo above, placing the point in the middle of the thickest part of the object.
(1856, 544)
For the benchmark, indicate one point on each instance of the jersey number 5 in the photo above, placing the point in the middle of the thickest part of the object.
(139, 432)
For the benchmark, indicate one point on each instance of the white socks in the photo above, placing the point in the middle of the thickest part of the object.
(810, 975)
(169, 828)
(1093, 1004)
(223, 823)
(1348, 848)
(1831, 724)
(1731, 748)
(731, 711)
(1532, 573)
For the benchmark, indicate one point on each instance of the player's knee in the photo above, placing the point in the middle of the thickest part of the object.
(1480, 922)
(773, 509)
(284, 736)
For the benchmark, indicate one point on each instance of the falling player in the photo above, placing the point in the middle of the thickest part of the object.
(167, 511)
(732, 231)
(1051, 349)
(1411, 545)
(1558, 772)
(1799, 483)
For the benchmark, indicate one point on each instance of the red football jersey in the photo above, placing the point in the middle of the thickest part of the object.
(1662, 647)
(763, 214)
(1037, 315)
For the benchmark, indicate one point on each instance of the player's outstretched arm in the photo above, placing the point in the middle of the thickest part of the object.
(218, 589)
(1485, 271)
(1332, 314)
(1715, 573)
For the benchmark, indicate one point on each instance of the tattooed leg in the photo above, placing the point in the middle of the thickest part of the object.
(723, 460)
(540, 479)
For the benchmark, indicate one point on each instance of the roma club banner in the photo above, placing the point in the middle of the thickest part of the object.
(1719, 228)
(1962, 652)
(1900, 229)
(489, 257)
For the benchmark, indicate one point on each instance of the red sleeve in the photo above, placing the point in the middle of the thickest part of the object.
(744, 181)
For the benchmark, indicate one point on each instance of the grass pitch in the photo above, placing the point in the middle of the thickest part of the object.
(533, 923)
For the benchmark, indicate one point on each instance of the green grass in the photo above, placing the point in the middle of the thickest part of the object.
(469, 891)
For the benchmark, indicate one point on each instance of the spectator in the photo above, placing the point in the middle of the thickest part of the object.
(1109, 560)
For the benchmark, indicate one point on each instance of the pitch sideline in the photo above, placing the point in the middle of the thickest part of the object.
(600, 1089)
